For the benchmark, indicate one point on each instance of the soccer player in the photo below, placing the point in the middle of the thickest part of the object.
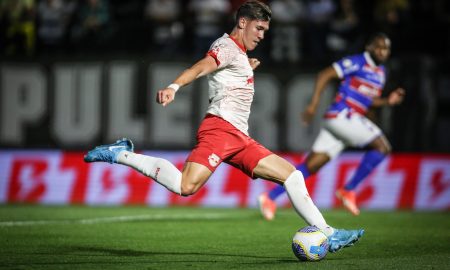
(345, 124)
(222, 135)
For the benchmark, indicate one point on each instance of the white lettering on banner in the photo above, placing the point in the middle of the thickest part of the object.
(6, 161)
(217, 196)
(122, 83)
(78, 103)
(433, 191)
(107, 184)
(173, 124)
(158, 195)
(382, 188)
(323, 195)
(54, 177)
(23, 96)
(39, 177)
(257, 187)
(58, 181)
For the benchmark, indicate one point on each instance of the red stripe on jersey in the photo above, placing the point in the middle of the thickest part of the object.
(213, 54)
(374, 69)
(355, 105)
(368, 89)
(329, 115)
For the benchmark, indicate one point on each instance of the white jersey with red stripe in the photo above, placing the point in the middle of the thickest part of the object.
(231, 86)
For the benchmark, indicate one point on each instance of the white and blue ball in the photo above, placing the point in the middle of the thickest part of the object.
(310, 244)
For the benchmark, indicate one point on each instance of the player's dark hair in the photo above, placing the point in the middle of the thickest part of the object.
(376, 36)
(254, 10)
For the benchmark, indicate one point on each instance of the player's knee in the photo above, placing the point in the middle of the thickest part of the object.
(385, 149)
(188, 189)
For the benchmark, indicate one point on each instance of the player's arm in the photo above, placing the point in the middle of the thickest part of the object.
(203, 67)
(323, 78)
(394, 98)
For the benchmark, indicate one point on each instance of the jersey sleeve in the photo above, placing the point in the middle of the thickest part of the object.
(223, 53)
(347, 66)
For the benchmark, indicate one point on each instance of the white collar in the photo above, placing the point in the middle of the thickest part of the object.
(369, 59)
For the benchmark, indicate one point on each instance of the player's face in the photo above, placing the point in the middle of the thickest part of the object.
(380, 50)
(254, 31)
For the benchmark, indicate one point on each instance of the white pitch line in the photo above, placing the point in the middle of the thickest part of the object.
(111, 219)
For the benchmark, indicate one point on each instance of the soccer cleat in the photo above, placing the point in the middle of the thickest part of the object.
(348, 199)
(267, 206)
(109, 152)
(343, 238)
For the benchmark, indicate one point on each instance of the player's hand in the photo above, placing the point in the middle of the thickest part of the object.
(165, 96)
(308, 115)
(396, 97)
(254, 63)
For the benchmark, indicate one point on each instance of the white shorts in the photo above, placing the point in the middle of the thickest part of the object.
(345, 130)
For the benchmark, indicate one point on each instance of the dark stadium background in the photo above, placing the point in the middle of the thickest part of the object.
(420, 59)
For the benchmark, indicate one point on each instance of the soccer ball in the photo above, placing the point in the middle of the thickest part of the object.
(310, 244)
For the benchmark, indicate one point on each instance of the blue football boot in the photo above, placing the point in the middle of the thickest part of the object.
(109, 152)
(343, 238)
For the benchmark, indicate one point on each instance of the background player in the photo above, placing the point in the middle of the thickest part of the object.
(363, 78)
(222, 135)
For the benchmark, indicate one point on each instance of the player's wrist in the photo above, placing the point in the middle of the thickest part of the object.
(174, 86)
(391, 102)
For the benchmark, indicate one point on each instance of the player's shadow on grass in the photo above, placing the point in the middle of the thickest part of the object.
(212, 257)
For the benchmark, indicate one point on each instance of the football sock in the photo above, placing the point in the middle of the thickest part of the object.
(370, 160)
(302, 167)
(160, 170)
(302, 202)
(276, 191)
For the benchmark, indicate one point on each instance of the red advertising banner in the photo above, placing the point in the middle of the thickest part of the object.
(401, 181)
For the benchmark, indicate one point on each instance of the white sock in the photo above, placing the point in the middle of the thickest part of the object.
(303, 204)
(160, 170)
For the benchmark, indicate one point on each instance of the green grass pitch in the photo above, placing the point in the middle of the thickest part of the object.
(57, 237)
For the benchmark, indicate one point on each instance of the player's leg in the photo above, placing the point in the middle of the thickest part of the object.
(359, 131)
(185, 183)
(380, 148)
(267, 204)
(371, 159)
(194, 176)
(325, 147)
(311, 165)
(275, 168)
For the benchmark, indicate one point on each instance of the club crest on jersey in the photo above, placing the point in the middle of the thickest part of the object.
(213, 160)
(347, 63)
(250, 80)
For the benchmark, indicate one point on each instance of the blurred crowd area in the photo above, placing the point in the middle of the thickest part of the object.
(302, 31)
